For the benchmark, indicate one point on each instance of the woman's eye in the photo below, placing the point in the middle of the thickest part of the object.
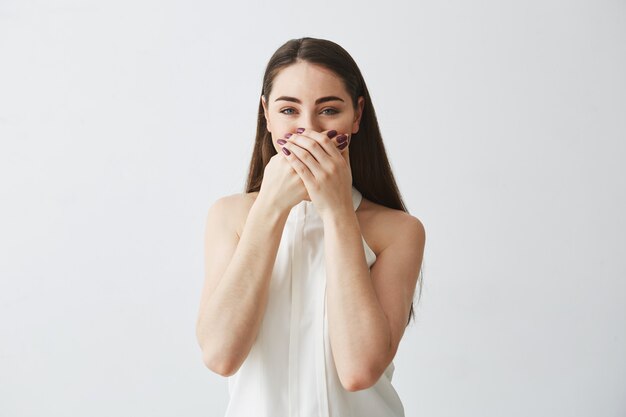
(333, 111)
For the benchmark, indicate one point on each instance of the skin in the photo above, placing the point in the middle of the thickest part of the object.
(308, 82)
(368, 308)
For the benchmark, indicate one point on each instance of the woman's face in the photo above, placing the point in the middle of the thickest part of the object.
(291, 103)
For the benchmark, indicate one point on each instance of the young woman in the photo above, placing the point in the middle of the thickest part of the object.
(311, 274)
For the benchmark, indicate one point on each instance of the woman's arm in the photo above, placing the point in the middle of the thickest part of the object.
(237, 277)
(368, 310)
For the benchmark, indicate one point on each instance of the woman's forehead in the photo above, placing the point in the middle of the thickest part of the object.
(307, 82)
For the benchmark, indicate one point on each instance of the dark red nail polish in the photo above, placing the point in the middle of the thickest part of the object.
(341, 147)
(288, 135)
(331, 134)
(286, 151)
(281, 141)
(300, 130)
(342, 138)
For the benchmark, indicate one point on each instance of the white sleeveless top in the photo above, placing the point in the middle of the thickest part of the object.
(290, 370)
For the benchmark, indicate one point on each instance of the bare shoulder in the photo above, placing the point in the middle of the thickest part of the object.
(382, 226)
(235, 208)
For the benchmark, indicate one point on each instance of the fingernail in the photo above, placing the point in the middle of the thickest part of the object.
(340, 147)
(288, 135)
(332, 134)
(286, 151)
(281, 141)
(342, 138)
(300, 130)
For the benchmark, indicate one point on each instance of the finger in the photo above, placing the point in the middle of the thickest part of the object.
(305, 157)
(344, 148)
(344, 141)
(332, 134)
(327, 140)
(306, 142)
(300, 167)
(322, 145)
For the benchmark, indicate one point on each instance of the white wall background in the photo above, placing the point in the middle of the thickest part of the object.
(122, 121)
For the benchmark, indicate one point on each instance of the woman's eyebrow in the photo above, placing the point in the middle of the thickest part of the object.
(318, 101)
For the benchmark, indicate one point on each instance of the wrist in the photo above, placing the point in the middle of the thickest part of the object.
(340, 218)
(269, 207)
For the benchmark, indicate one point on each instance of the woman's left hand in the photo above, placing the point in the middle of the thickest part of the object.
(323, 168)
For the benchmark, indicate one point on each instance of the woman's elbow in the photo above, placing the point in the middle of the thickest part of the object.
(357, 382)
(220, 366)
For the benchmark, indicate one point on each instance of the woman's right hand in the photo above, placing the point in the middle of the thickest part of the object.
(282, 187)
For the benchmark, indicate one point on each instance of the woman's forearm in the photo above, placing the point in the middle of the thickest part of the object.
(358, 328)
(230, 321)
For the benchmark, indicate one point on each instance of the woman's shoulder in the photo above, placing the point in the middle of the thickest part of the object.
(384, 224)
(394, 218)
(236, 207)
(239, 200)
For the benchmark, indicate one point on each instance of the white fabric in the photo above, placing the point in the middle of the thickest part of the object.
(290, 371)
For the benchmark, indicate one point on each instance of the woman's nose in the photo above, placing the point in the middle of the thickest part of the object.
(309, 122)
(309, 127)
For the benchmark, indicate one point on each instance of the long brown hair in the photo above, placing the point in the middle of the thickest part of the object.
(371, 172)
